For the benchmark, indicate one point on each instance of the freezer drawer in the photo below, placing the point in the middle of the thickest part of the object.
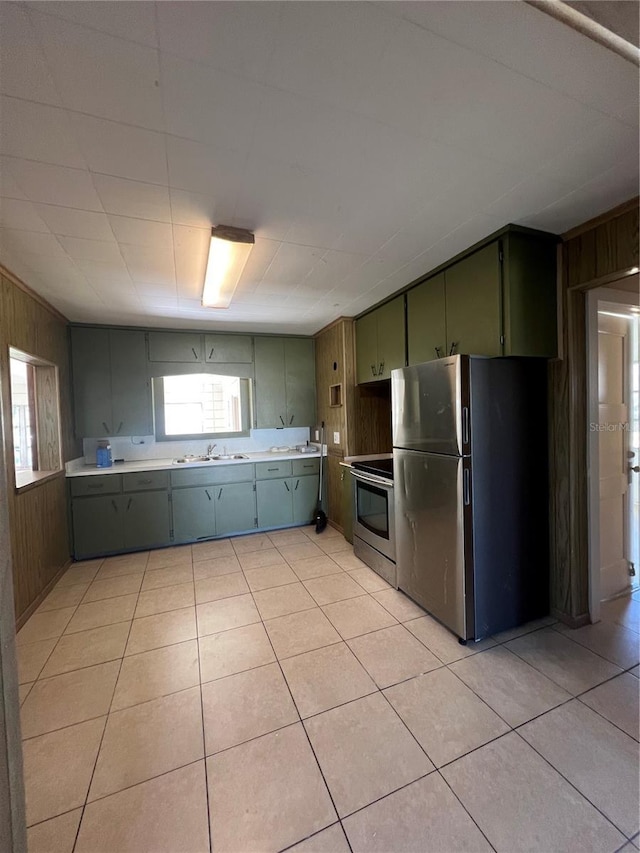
(430, 536)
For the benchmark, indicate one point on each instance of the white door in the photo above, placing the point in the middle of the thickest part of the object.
(615, 348)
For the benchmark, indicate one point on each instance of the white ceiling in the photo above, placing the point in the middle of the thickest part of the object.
(363, 143)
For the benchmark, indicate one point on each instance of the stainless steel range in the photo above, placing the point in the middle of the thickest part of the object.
(374, 536)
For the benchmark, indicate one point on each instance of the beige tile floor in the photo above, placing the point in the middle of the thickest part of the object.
(270, 692)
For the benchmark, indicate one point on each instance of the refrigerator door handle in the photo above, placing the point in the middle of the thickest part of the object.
(466, 486)
(465, 425)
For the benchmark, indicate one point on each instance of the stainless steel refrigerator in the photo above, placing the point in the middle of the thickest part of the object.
(471, 490)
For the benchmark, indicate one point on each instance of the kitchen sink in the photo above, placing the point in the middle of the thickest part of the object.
(188, 460)
(230, 456)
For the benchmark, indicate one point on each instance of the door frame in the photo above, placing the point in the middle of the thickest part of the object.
(594, 297)
(12, 798)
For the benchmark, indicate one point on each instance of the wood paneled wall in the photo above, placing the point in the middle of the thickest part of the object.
(372, 427)
(591, 255)
(335, 365)
(37, 515)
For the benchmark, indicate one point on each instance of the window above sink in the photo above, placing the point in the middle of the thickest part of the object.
(195, 405)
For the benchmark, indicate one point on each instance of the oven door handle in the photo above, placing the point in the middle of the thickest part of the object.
(372, 479)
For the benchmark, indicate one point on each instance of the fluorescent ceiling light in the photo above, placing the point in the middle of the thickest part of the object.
(228, 254)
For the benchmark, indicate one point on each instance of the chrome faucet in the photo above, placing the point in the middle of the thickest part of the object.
(210, 449)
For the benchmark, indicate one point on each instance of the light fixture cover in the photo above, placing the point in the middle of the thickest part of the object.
(228, 253)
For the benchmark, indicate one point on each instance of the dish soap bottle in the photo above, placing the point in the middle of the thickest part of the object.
(103, 455)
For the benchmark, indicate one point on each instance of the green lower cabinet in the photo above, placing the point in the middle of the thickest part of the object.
(275, 503)
(305, 499)
(194, 513)
(146, 520)
(235, 508)
(97, 526)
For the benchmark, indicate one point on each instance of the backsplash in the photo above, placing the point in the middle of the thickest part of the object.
(134, 448)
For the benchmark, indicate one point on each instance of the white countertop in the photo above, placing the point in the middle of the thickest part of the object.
(169, 465)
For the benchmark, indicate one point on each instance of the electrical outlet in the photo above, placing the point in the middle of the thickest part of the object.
(336, 438)
(317, 435)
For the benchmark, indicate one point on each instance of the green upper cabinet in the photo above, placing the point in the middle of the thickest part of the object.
(130, 385)
(498, 300)
(112, 394)
(271, 394)
(380, 341)
(300, 381)
(178, 347)
(284, 382)
(91, 366)
(473, 303)
(194, 348)
(391, 337)
(426, 331)
(228, 349)
(367, 348)
(530, 311)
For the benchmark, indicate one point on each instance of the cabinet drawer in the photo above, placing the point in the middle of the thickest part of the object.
(271, 470)
(305, 466)
(212, 475)
(107, 484)
(145, 481)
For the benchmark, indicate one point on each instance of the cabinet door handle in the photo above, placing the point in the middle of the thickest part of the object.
(119, 428)
(467, 487)
(106, 428)
(439, 352)
(281, 421)
(206, 491)
(145, 482)
(381, 371)
(95, 485)
(195, 354)
(297, 484)
(373, 370)
(219, 494)
(286, 485)
(115, 506)
(291, 420)
(129, 504)
(269, 470)
(465, 425)
(213, 349)
(453, 346)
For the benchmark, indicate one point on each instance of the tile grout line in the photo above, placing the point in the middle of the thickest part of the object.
(204, 738)
(104, 729)
(301, 723)
(378, 689)
(537, 669)
(403, 723)
(569, 782)
(593, 651)
(57, 639)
